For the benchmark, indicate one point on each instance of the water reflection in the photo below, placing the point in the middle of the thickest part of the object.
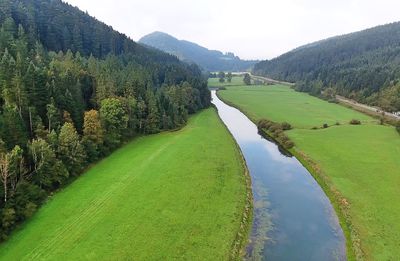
(293, 219)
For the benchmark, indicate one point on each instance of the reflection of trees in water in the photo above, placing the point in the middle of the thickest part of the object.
(281, 149)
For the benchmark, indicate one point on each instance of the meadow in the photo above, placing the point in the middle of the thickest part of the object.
(280, 103)
(236, 80)
(174, 195)
(357, 165)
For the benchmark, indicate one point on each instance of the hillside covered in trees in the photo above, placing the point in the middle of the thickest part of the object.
(209, 60)
(72, 90)
(364, 66)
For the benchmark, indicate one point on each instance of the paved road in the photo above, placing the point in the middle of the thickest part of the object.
(350, 102)
(270, 80)
(265, 79)
(366, 107)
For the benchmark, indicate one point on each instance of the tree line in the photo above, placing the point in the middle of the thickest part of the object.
(65, 103)
(364, 66)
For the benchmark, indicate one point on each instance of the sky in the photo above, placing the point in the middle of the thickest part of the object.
(252, 29)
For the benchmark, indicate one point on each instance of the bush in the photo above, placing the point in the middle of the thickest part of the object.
(283, 137)
(398, 127)
(286, 126)
(355, 122)
(337, 123)
(277, 131)
(288, 144)
(263, 124)
(275, 127)
(325, 125)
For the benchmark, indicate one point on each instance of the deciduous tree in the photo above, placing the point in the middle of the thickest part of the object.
(115, 119)
(70, 149)
(93, 134)
(247, 79)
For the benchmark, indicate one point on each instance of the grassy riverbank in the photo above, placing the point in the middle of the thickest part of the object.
(176, 195)
(356, 165)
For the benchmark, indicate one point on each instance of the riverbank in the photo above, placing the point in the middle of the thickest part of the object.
(356, 165)
(241, 240)
(281, 185)
(163, 196)
(352, 245)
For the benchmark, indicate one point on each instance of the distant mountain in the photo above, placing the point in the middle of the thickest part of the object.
(363, 65)
(209, 60)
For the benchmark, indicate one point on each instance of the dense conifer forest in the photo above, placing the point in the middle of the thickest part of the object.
(208, 60)
(72, 90)
(364, 66)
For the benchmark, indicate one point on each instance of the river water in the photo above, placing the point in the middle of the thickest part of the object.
(293, 218)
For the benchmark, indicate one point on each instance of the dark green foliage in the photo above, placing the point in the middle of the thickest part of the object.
(48, 172)
(398, 127)
(221, 76)
(71, 90)
(114, 120)
(229, 77)
(209, 60)
(70, 149)
(355, 122)
(247, 79)
(276, 131)
(286, 126)
(325, 125)
(363, 66)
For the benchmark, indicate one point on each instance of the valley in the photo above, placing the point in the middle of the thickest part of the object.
(155, 198)
(357, 165)
(237, 135)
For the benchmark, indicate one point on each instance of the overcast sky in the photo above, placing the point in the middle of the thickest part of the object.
(252, 29)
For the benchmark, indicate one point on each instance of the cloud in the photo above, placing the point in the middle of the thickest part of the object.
(251, 29)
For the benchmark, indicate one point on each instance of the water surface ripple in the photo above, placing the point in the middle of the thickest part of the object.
(293, 218)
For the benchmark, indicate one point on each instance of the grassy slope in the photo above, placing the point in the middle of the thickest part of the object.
(161, 197)
(361, 162)
(280, 103)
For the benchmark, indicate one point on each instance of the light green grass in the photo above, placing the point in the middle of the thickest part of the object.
(361, 162)
(177, 195)
(280, 103)
(236, 80)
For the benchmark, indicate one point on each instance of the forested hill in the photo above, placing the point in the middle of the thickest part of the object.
(71, 90)
(209, 60)
(364, 65)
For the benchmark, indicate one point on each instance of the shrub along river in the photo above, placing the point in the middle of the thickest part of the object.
(293, 218)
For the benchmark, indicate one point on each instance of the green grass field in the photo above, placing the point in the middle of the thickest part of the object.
(177, 195)
(236, 80)
(360, 162)
(280, 103)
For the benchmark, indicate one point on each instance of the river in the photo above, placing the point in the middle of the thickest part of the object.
(293, 218)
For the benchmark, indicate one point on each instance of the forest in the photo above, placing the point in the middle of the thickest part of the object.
(208, 60)
(71, 91)
(363, 66)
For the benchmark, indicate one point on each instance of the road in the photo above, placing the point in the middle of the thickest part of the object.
(373, 109)
(265, 79)
(269, 80)
(352, 103)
